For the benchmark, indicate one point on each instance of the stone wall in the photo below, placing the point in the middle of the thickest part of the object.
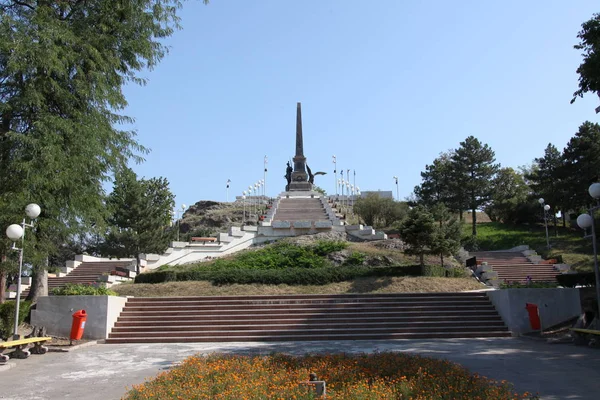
(56, 314)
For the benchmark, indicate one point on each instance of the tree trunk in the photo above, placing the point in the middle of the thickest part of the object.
(2, 286)
(555, 225)
(422, 258)
(442, 259)
(564, 219)
(39, 283)
(474, 219)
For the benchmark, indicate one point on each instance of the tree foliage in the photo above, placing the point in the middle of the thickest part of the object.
(63, 65)
(581, 164)
(589, 69)
(510, 197)
(379, 212)
(446, 237)
(474, 170)
(418, 232)
(140, 216)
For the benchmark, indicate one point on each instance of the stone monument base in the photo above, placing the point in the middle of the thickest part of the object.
(299, 186)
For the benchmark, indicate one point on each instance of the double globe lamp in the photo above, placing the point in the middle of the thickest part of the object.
(14, 233)
(587, 221)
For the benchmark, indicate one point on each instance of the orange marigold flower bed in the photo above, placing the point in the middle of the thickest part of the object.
(376, 376)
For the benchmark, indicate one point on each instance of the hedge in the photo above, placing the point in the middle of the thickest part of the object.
(293, 276)
(7, 317)
(578, 279)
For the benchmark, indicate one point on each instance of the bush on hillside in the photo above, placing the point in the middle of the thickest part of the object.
(282, 255)
(72, 289)
(293, 276)
(7, 316)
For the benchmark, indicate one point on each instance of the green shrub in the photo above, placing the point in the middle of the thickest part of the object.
(579, 279)
(324, 247)
(290, 276)
(7, 317)
(437, 270)
(356, 258)
(72, 289)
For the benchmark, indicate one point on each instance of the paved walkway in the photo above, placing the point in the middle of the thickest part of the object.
(104, 372)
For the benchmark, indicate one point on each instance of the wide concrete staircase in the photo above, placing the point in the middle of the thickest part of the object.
(307, 317)
(515, 267)
(300, 209)
(86, 272)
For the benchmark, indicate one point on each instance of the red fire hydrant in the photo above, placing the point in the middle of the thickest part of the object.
(534, 316)
(79, 318)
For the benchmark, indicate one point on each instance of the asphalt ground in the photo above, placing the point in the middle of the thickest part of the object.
(106, 371)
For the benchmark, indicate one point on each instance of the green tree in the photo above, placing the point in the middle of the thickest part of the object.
(589, 69)
(546, 180)
(140, 215)
(509, 195)
(379, 212)
(473, 172)
(63, 65)
(446, 237)
(581, 165)
(418, 231)
(438, 185)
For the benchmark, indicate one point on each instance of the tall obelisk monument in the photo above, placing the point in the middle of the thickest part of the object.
(299, 176)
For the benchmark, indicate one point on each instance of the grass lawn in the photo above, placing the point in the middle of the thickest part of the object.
(575, 250)
(376, 376)
(362, 285)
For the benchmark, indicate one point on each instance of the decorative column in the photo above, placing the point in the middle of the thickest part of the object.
(299, 175)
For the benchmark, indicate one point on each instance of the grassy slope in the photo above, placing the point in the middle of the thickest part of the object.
(575, 250)
(363, 285)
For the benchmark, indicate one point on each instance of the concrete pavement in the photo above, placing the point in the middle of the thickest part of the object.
(104, 372)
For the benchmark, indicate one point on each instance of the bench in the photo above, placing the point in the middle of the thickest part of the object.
(585, 331)
(203, 239)
(21, 345)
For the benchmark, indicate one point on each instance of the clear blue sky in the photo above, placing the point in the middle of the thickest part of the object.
(385, 86)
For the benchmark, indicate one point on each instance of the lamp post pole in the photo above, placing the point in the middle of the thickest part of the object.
(546, 207)
(264, 181)
(334, 159)
(397, 192)
(244, 207)
(586, 221)
(14, 233)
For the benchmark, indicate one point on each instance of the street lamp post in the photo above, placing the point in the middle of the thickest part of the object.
(244, 207)
(397, 192)
(14, 233)
(586, 221)
(334, 159)
(546, 208)
(264, 181)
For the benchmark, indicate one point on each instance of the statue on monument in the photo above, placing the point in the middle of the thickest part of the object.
(311, 177)
(288, 173)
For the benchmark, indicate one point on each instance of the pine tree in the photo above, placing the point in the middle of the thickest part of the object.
(546, 180)
(418, 232)
(581, 165)
(446, 237)
(473, 172)
(140, 215)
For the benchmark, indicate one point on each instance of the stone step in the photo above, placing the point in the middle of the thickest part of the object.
(308, 325)
(152, 321)
(307, 317)
(310, 337)
(303, 330)
(471, 295)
